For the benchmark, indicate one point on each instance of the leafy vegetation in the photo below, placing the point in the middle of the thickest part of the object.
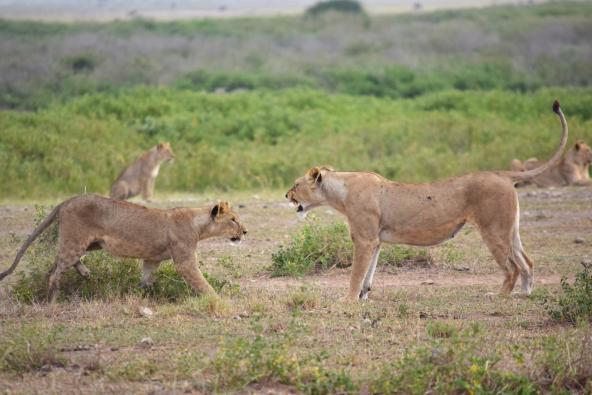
(322, 247)
(575, 303)
(83, 145)
(347, 6)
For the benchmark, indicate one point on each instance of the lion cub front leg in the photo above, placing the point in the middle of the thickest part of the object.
(186, 265)
(364, 251)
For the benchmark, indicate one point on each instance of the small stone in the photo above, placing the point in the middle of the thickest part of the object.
(428, 282)
(145, 311)
(579, 240)
(114, 348)
(422, 315)
(462, 269)
(367, 321)
(241, 206)
(146, 342)
(587, 263)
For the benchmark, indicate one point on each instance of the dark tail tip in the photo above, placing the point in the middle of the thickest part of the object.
(556, 107)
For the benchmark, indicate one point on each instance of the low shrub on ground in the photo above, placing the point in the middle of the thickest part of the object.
(29, 347)
(575, 303)
(451, 363)
(259, 359)
(109, 277)
(321, 247)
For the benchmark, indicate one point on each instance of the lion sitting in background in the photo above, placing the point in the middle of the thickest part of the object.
(573, 169)
(140, 176)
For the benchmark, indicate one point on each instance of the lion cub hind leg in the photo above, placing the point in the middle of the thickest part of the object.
(81, 269)
(66, 258)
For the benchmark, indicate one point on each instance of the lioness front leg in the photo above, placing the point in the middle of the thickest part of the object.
(366, 287)
(363, 254)
(186, 265)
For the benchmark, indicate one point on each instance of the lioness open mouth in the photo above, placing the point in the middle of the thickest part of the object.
(299, 209)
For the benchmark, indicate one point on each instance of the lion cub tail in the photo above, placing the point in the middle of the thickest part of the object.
(526, 175)
(42, 226)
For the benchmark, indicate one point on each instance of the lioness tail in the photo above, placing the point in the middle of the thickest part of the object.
(526, 175)
(42, 226)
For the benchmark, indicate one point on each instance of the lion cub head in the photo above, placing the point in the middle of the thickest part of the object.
(164, 151)
(225, 222)
(307, 193)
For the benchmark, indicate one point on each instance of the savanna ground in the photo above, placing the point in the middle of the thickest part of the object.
(288, 334)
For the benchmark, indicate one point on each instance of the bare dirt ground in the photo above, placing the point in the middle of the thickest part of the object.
(99, 340)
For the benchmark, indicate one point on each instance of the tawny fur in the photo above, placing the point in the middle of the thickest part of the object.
(572, 169)
(379, 210)
(140, 176)
(91, 222)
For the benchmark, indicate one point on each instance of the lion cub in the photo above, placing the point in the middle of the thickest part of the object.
(572, 169)
(92, 222)
(140, 176)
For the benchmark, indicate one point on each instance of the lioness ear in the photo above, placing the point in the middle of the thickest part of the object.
(315, 174)
(215, 211)
(160, 145)
(577, 146)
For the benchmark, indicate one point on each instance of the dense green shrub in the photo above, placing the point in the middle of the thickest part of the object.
(321, 247)
(345, 6)
(82, 146)
(575, 303)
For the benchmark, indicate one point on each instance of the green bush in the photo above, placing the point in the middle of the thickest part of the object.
(321, 247)
(575, 303)
(345, 6)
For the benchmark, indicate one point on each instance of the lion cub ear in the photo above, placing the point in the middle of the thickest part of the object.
(315, 174)
(161, 145)
(219, 209)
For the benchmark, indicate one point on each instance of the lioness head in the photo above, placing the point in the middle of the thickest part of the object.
(307, 193)
(225, 222)
(164, 151)
(582, 153)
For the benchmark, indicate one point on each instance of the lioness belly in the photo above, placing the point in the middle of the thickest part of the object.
(425, 236)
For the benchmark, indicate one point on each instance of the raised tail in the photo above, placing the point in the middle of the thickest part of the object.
(527, 175)
(42, 226)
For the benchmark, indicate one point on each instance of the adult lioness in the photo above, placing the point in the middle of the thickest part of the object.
(91, 222)
(140, 176)
(379, 210)
(572, 169)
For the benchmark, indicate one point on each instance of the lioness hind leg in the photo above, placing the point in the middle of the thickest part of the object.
(500, 250)
(366, 287)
